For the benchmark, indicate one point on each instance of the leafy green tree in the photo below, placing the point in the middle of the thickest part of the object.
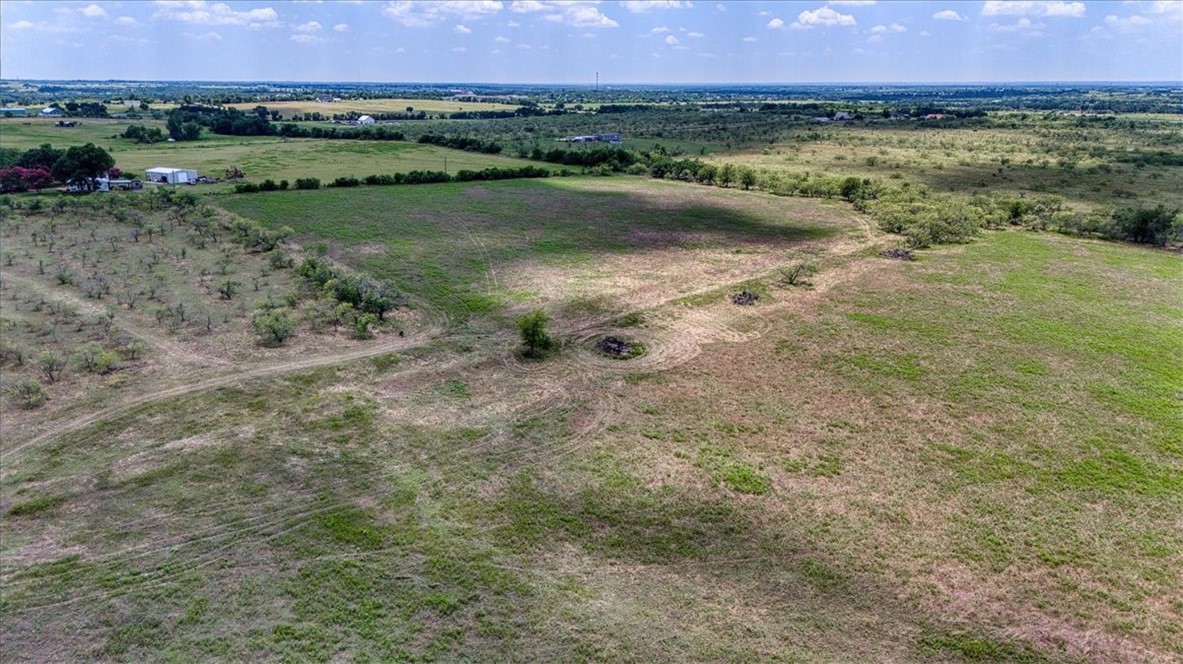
(44, 156)
(80, 165)
(51, 365)
(274, 326)
(1156, 225)
(26, 393)
(93, 358)
(532, 326)
(747, 177)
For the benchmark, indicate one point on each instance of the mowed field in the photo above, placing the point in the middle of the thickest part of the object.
(260, 157)
(976, 456)
(430, 106)
(604, 244)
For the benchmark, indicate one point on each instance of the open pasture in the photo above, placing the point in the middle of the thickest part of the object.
(260, 157)
(371, 106)
(611, 244)
(970, 457)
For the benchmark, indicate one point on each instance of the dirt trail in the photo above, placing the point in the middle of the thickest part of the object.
(675, 337)
(388, 345)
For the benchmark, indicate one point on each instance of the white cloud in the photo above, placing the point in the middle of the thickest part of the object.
(659, 30)
(419, 14)
(341, 27)
(305, 38)
(925, 33)
(512, 24)
(948, 15)
(853, 3)
(581, 16)
(501, 40)
(311, 26)
(671, 40)
(894, 27)
(93, 11)
(639, 6)
(459, 49)
(574, 13)
(199, 12)
(462, 29)
(1166, 7)
(720, 8)
(1129, 24)
(43, 26)
(749, 40)
(1032, 8)
(1023, 26)
(122, 39)
(524, 47)
(776, 24)
(823, 16)
(125, 20)
(694, 35)
(203, 36)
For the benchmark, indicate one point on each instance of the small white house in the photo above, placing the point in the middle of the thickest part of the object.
(365, 120)
(166, 175)
(51, 112)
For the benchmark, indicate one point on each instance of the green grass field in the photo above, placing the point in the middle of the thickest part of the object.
(468, 247)
(972, 457)
(378, 106)
(260, 157)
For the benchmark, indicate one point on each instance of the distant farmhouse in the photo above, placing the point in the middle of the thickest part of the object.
(611, 138)
(14, 112)
(365, 120)
(52, 112)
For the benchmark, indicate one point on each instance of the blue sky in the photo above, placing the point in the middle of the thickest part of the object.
(531, 41)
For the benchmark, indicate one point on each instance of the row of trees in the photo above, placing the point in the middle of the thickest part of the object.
(412, 177)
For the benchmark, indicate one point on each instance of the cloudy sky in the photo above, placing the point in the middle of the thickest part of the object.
(531, 41)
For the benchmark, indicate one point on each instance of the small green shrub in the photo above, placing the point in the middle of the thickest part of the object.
(532, 326)
(26, 393)
(273, 326)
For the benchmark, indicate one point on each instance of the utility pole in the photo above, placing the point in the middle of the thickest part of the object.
(597, 81)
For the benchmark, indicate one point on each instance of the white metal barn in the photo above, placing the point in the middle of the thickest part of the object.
(165, 175)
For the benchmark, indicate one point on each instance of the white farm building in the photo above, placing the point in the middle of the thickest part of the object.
(165, 175)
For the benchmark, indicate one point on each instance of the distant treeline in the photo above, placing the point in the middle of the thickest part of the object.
(461, 143)
(412, 177)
